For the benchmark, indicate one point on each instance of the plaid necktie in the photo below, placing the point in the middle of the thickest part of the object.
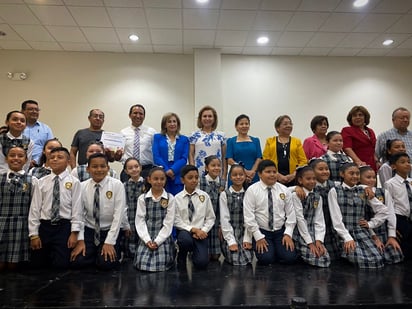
(55, 216)
(270, 207)
(96, 214)
(191, 208)
(136, 144)
(408, 189)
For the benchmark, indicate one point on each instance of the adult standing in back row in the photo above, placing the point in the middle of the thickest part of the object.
(138, 141)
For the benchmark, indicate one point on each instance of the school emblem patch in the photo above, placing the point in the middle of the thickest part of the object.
(362, 195)
(25, 187)
(164, 202)
(202, 198)
(282, 196)
(109, 194)
(380, 198)
(68, 185)
(315, 204)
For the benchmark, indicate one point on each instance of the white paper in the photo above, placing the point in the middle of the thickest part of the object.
(113, 141)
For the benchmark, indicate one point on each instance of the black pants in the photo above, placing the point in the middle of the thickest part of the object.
(404, 227)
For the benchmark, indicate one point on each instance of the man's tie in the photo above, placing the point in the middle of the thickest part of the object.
(408, 189)
(96, 214)
(270, 207)
(136, 144)
(55, 209)
(191, 208)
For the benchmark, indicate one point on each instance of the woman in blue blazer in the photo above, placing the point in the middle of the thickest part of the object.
(171, 151)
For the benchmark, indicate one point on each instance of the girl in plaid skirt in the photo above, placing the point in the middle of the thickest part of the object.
(134, 187)
(16, 191)
(384, 235)
(309, 235)
(155, 216)
(237, 244)
(212, 184)
(348, 203)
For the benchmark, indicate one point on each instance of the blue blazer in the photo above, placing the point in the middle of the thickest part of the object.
(160, 154)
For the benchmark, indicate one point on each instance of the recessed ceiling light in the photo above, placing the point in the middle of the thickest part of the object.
(262, 40)
(360, 3)
(133, 37)
(2, 33)
(202, 1)
(387, 42)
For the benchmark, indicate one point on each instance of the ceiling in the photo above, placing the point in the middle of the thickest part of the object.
(294, 27)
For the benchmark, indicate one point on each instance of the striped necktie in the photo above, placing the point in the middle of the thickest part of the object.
(136, 143)
(191, 208)
(55, 209)
(270, 207)
(408, 189)
(96, 214)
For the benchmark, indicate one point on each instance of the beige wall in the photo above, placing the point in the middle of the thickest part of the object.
(68, 85)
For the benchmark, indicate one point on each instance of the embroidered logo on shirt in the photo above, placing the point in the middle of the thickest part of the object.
(25, 187)
(109, 194)
(68, 185)
(202, 198)
(380, 198)
(315, 204)
(282, 196)
(164, 202)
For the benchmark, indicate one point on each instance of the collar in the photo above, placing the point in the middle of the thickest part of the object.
(344, 185)
(139, 180)
(164, 194)
(231, 190)
(187, 193)
(9, 135)
(210, 179)
(61, 175)
(400, 179)
(101, 183)
(21, 172)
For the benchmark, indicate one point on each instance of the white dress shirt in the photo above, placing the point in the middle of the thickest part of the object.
(380, 210)
(203, 217)
(140, 221)
(227, 229)
(70, 202)
(256, 212)
(146, 141)
(397, 190)
(112, 206)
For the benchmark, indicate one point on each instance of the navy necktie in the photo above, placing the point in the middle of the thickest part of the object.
(408, 189)
(96, 214)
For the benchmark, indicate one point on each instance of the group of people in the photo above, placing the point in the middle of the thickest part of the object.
(199, 197)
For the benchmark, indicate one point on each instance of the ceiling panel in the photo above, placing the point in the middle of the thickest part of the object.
(294, 27)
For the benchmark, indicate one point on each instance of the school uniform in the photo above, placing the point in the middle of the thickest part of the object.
(154, 222)
(256, 216)
(7, 140)
(388, 229)
(40, 171)
(397, 189)
(347, 206)
(133, 190)
(213, 187)
(203, 217)
(54, 233)
(334, 160)
(112, 208)
(331, 240)
(310, 227)
(233, 228)
(81, 173)
(16, 190)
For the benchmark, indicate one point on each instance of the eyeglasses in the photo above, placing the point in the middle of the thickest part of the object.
(97, 116)
(33, 109)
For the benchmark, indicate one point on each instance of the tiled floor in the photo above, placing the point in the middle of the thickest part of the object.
(340, 286)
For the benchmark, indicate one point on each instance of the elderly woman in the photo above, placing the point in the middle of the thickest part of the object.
(316, 145)
(358, 139)
(285, 150)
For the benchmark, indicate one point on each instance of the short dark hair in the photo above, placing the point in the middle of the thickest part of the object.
(396, 156)
(331, 134)
(97, 155)
(186, 169)
(358, 108)
(61, 149)
(24, 104)
(240, 117)
(264, 164)
(137, 105)
(317, 120)
(344, 166)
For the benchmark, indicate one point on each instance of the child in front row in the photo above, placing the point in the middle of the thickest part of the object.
(399, 187)
(269, 215)
(393, 146)
(384, 235)
(56, 214)
(194, 219)
(155, 216)
(347, 204)
(134, 187)
(104, 203)
(16, 191)
(44, 169)
(237, 243)
(310, 232)
(212, 184)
